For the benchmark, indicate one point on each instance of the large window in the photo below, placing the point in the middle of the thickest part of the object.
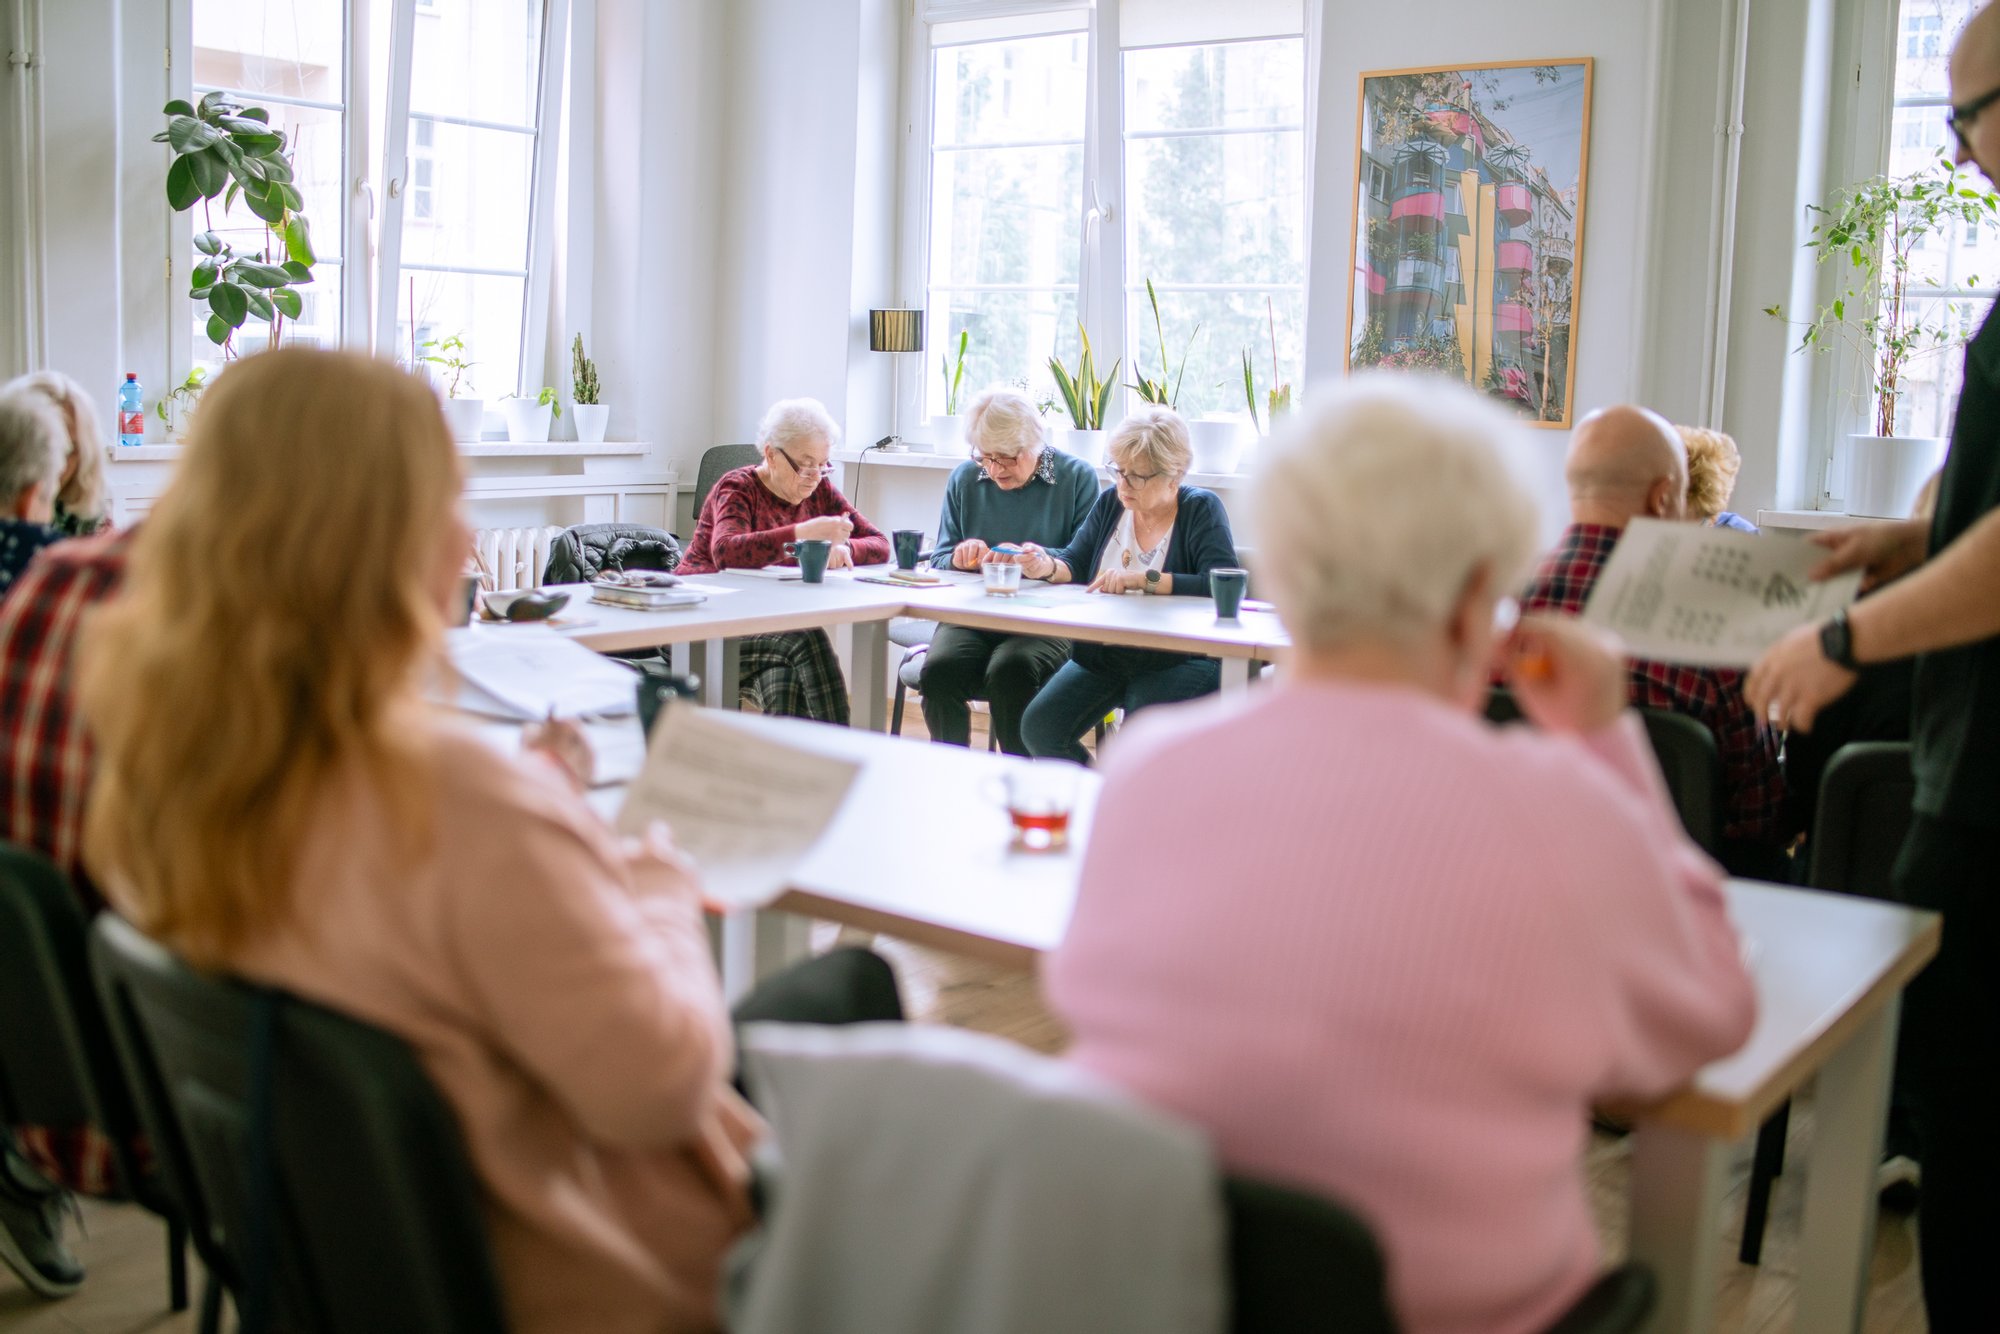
(1059, 181)
(1965, 255)
(421, 133)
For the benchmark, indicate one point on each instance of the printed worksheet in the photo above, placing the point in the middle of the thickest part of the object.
(1710, 597)
(530, 671)
(747, 808)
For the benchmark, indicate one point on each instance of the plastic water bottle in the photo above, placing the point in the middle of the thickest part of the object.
(131, 412)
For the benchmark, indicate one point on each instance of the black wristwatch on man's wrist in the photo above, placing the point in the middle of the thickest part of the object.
(1836, 641)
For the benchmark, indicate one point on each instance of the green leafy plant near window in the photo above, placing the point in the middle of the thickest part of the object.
(1278, 399)
(583, 376)
(1083, 394)
(1156, 391)
(448, 355)
(179, 401)
(222, 147)
(954, 374)
(545, 399)
(1874, 229)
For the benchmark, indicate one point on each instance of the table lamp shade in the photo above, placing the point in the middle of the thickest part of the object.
(895, 331)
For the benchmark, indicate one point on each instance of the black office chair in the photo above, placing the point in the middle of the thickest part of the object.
(58, 1066)
(1689, 761)
(311, 1150)
(1863, 817)
(714, 463)
(1300, 1263)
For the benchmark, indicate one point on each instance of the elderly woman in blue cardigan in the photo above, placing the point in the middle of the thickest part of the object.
(1147, 536)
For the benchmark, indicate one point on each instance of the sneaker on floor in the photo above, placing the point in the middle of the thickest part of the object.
(1899, 1183)
(31, 1241)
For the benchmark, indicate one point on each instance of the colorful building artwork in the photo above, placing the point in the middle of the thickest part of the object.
(1468, 227)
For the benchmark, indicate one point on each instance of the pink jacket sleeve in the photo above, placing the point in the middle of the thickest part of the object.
(604, 992)
(1674, 991)
(734, 543)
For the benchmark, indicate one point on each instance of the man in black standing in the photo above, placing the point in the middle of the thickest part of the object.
(1946, 612)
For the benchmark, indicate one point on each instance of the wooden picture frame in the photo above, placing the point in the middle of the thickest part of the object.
(1468, 213)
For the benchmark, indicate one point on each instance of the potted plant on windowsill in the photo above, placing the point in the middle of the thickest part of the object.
(464, 414)
(1216, 441)
(528, 418)
(1875, 229)
(176, 406)
(591, 414)
(947, 428)
(1085, 396)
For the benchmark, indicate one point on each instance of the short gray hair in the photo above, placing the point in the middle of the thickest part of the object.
(1156, 437)
(83, 494)
(1003, 422)
(1375, 506)
(791, 420)
(33, 441)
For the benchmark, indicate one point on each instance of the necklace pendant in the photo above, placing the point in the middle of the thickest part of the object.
(1125, 558)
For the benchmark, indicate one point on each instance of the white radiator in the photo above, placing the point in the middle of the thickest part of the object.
(515, 557)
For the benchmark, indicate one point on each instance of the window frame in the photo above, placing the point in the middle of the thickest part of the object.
(1102, 290)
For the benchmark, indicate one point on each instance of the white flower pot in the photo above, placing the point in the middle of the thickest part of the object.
(948, 434)
(1217, 444)
(466, 417)
(1086, 445)
(1885, 472)
(528, 421)
(591, 419)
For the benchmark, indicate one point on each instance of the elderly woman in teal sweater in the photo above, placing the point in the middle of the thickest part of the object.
(1014, 490)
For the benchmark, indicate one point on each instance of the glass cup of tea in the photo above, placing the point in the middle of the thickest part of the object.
(1003, 577)
(1040, 794)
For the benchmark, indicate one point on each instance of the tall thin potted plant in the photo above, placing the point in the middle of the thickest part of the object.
(592, 413)
(947, 427)
(1873, 232)
(1085, 396)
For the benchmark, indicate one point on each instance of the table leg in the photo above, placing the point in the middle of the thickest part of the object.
(1235, 675)
(870, 687)
(1676, 1210)
(758, 944)
(1837, 1234)
(718, 662)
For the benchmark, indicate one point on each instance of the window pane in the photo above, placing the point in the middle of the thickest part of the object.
(1931, 380)
(1006, 216)
(1012, 336)
(449, 303)
(1216, 208)
(285, 48)
(1924, 38)
(1239, 85)
(318, 324)
(1231, 323)
(470, 188)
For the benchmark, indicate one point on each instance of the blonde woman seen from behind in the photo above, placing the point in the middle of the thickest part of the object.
(280, 803)
(1713, 462)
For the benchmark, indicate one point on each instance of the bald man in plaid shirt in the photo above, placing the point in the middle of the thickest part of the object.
(44, 777)
(1624, 463)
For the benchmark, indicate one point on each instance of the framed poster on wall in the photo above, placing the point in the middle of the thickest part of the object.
(1468, 227)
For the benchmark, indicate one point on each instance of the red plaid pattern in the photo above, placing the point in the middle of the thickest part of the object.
(1753, 783)
(45, 765)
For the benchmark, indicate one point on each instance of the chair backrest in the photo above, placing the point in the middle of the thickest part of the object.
(1299, 1262)
(714, 463)
(374, 1213)
(1692, 766)
(579, 553)
(58, 1067)
(1501, 706)
(1864, 813)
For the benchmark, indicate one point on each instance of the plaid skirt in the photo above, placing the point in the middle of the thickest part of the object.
(794, 675)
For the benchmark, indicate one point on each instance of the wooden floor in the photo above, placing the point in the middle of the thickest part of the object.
(124, 1248)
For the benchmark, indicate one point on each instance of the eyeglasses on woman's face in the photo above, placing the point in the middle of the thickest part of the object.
(814, 470)
(1120, 476)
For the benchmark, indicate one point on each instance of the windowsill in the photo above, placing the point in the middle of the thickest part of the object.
(920, 457)
(472, 449)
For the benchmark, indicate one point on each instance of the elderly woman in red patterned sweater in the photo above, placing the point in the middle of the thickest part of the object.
(749, 516)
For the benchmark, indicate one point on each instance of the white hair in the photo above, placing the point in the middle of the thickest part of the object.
(1376, 505)
(33, 441)
(1005, 423)
(791, 420)
(83, 494)
(1154, 436)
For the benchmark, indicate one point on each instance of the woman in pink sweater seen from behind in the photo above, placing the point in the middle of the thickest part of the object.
(1394, 954)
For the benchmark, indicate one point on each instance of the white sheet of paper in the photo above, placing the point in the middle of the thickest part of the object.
(1710, 597)
(746, 808)
(524, 671)
(773, 572)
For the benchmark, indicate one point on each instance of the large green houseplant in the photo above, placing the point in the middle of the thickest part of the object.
(225, 149)
(1874, 234)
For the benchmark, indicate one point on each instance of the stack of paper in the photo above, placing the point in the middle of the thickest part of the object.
(530, 671)
(1710, 597)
